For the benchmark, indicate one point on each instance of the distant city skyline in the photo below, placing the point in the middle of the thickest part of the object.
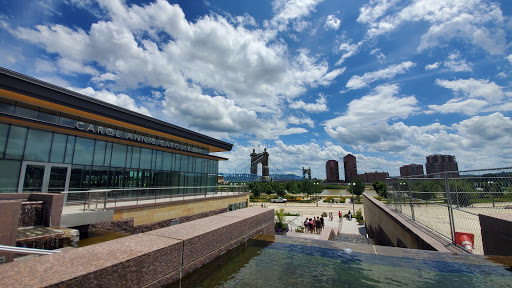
(386, 81)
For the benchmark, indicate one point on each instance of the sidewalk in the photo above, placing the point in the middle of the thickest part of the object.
(343, 227)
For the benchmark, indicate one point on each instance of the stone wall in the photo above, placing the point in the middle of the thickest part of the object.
(388, 228)
(156, 212)
(9, 218)
(128, 225)
(153, 259)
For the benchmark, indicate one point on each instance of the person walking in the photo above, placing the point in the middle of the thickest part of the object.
(339, 215)
(318, 225)
(322, 221)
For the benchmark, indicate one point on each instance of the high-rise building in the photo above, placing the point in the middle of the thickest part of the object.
(441, 163)
(411, 170)
(350, 166)
(332, 171)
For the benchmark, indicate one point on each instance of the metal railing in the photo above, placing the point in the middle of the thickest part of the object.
(30, 251)
(102, 199)
(450, 202)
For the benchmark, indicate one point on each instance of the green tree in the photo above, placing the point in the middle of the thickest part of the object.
(426, 190)
(307, 187)
(357, 188)
(380, 187)
(462, 193)
(268, 188)
(293, 187)
(279, 189)
(256, 189)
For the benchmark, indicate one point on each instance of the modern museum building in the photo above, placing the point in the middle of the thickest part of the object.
(53, 140)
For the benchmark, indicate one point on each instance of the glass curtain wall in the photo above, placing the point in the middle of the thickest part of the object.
(98, 164)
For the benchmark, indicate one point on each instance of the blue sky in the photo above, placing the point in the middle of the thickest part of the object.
(389, 81)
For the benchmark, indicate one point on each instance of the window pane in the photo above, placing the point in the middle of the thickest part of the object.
(84, 149)
(199, 165)
(116, 178)
(48, 117)
(67, 122)
(6, 108)
(99, 153)
(118, 155)
(16, 142)
(159, 159)
(177, 162)
(184, 163)
(9, 175)
(191, 162)
(129, 156)
(108, 154)
(79, 179)
(58, 148)
(99, 177)
(167, 161)
(24, 112)
(145, 158)
(70, 147)
(135, 157)
(4, 129)
(38, 145)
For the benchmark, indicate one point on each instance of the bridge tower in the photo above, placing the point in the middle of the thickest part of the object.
(262, 158)
(304, 171)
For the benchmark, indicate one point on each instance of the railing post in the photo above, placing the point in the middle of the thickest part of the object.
(450, 208)
(410, 198)
(85, 200)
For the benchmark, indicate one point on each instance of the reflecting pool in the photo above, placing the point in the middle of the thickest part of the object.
(313, 263)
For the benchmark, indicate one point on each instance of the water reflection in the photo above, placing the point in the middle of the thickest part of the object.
(293, 265)
(98, 236)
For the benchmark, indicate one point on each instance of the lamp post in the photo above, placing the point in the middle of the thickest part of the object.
(316, 196)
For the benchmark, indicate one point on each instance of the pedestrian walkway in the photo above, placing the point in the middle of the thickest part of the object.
(348, 230)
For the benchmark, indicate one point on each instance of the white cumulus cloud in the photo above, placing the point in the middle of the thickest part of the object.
(358, 82)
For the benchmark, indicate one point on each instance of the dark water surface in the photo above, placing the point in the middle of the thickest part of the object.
(98, 236)
(285, 264)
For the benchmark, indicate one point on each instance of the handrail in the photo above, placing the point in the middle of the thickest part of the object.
(23, 250)
(294, 225)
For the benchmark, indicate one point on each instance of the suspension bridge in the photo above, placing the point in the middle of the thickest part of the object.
(246, 171)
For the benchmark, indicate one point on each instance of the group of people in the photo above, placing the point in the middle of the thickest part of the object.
(314, 225)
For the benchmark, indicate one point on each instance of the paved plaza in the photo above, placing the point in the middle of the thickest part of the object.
(311, 210)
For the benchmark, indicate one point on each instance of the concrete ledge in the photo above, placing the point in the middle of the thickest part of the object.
(152, 259)
(496, 233)
(78, 219)
(380, 219)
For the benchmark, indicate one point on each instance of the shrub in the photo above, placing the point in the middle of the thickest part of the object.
(359, 216)
(324, 214)
(280, 225)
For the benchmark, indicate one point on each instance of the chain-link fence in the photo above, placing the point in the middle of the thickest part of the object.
(450, 202)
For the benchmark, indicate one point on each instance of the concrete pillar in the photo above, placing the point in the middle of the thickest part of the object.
(54, 203)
